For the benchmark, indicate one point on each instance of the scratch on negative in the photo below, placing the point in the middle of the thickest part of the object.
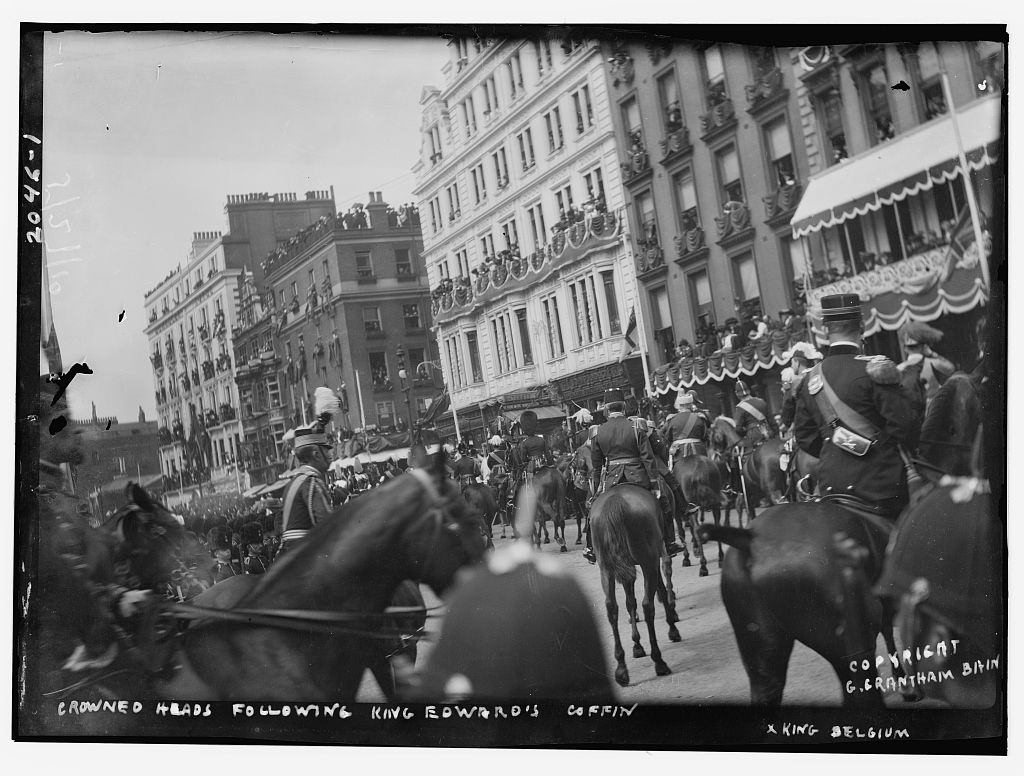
(25, 605)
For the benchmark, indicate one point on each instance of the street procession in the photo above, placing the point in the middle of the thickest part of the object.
(722, 323)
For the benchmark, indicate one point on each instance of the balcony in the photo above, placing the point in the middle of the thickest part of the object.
(720, 119)
(620, 67)
(227, 413)
(734, 224)
(404, 272)
(208, 370)
(691, 245)
(675, 144)
(157, 361)
(650, 259)
(767, 91)
(638, 165)
(780, 204)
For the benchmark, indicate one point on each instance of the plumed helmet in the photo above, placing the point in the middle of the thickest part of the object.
(528, 421)
(805, 351)
(787, 375)
(496, 441)
(252, 533)
(920, 333)
(519, 628)
(742, 391)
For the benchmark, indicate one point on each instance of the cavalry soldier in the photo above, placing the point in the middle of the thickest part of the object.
(852, 414)
(466, 469)
(803, 356)
(923, 363)
(685, 431)
(622, 448)
(306, 500)
(752, 417)
(532, 452)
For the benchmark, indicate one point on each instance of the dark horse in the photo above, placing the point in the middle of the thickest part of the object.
(577, 485)
(483, 502)
(625, 524)
(701, 483)
(549, 487)
(762, 479)
(785, 580)
(309, 627)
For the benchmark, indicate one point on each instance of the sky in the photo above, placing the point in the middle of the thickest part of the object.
(145, 135)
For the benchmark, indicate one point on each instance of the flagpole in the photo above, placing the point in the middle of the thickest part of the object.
(638, 310)
(979, 239)
(359, 395)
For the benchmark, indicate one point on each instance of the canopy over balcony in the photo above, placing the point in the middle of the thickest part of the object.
(905, 166)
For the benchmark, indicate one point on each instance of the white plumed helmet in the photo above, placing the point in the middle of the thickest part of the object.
(684, 399)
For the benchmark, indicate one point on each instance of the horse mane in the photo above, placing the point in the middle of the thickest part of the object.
(950, 423)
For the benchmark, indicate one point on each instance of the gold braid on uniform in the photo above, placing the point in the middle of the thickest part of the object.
(314, 484)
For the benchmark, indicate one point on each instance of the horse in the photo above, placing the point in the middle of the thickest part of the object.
(700, 480)
(761, 477)
(578, 487)
(484, 504)
(625, 525)
(785, 578)
(309, 627)
(549, 488)
(951, 419)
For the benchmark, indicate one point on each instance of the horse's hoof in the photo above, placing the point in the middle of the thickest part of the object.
(547, 540)
(673, 634)
(686, 563)
(621, 677)
(579, 541)
(563, 548)
(661, 669)
(638, 651)
(703, 571)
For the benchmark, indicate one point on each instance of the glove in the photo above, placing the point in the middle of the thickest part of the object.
(656, 492)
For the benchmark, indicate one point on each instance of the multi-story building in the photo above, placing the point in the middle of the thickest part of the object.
(887, 187)
(518, 184)
(191, 315)
(113, 454)
(348, 308)
(712, 166)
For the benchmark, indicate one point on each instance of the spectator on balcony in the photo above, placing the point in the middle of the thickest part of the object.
(684, 349)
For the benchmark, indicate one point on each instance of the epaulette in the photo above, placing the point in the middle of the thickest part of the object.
(640, 424)
(883, 371)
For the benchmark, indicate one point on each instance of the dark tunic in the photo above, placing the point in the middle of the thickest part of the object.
(622, 446)
(306, 503)
(466, 466)
(675, 427)
(533, 447)
(746, 420)
(879, 474)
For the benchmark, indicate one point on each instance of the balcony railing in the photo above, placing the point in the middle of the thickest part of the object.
(721, 115)
(690, 242)
(648, 255)
(735, 219)
(675, 142)
(762, 92)
(620, 67)
(638, 162)
(781, 201)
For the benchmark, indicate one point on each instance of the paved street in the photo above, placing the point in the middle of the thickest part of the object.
(706, 665)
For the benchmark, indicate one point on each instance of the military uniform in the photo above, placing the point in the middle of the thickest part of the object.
(465, 469)
(622, 447)
(788, 411)
(871, 416)
(752, 416)
(685, 432)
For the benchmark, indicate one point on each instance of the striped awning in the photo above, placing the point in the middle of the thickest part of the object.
(905, 166)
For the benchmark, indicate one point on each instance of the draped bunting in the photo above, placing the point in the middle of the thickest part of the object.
(765, 353)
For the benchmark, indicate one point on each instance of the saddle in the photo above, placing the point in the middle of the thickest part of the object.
(869, 513)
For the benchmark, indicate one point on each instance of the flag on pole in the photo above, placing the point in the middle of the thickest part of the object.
(629, 345)
(960, 241)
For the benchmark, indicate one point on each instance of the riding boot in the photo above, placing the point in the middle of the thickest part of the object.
(589, 552)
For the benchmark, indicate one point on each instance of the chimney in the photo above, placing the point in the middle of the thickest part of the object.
(142, 415)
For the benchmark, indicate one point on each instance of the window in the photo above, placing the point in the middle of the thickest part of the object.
(273, 391)
(950, 199)
(686, 200)
(661, 318)
(490, 96)
(780, 152)
(504, 345)
(486, 245)
(403, 264)
(535, 214)
(476, 177)
(931, 95)
(514, 69)
(364, 265)
(700, 298)
(745, 281)
(594, 182)
(294, 287)
(454, 205)
(371, 319)
(411, 316)
(461, 53)
(830, 116)
(422, 405)
(474, 357)
(385, 413)
(584, 307)
(462, 261)
(584, 109)
(526, 155)
(611, 299)
(634, 126)
(714, 71)
(500, 167)
(468, 115)
(671, 109)
(524, 336)
(435, 144)
(416, 357)
(646, 218)
(455, 369)
(511, 233)
(729, 175)
(563, 201)
(544, 63)
(795, 260)
(898, 226)
(553, 325)
(436, 221)
(553, 125)
(442, 269)
(875, 88)
(327, 277)
(379, 370)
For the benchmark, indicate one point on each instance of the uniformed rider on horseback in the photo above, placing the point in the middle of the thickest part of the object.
(307, 501)
(532, 453)
(622, 451)
(466, 469)
(753, 418)
(852, 413)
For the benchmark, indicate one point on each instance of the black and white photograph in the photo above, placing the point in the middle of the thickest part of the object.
(617, 386)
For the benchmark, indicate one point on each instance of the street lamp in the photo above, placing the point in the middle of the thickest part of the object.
(403, 375)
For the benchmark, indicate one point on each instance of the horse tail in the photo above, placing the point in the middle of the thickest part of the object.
(739, 538)
(611, 541)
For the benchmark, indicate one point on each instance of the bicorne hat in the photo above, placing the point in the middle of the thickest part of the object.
(840, 307)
